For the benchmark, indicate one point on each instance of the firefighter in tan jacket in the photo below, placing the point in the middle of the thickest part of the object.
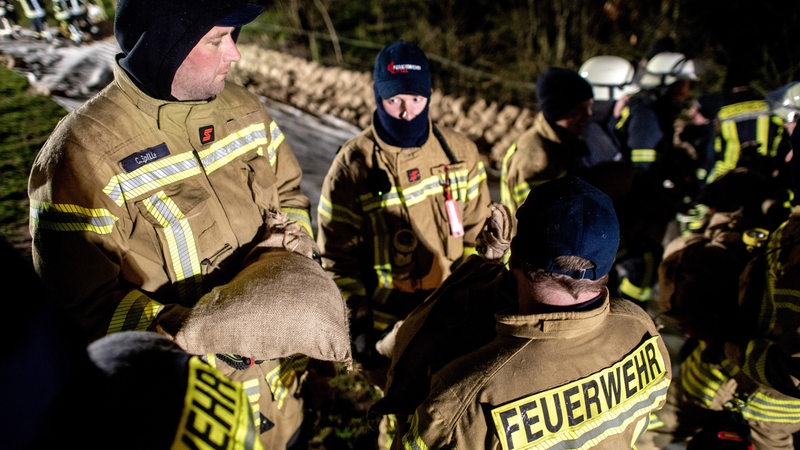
(735, 290)
(553, 146)
(402, 203)
(568, 366)
(154, 191)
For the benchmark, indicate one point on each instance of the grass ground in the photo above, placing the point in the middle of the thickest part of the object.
(26, 121)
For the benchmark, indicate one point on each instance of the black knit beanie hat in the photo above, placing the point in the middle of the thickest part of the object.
(559, 90)
(155, 36)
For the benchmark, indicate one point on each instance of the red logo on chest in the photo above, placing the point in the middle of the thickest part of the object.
(207, 134)
(414, 175)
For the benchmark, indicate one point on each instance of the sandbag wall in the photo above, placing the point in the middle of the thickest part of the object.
(348, 95)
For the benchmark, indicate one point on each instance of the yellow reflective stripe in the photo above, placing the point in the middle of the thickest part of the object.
(181, 247)
(643, 155)
(300, 216)
(700, 380)
(135, 312)
(276, 138)
(350, 287)
(337, 213)
(383, 320)
(582, 413)
(474, 185)
(233, 146)
(461, 187)
(253, 392)
(763, 408)
(429, 187)
(762, 135)
(775, 255)
(743, 110)
(787, 299)
(391, 430)
(638, 293)
(520, 192)
(381, 258)
(67, 217)
(755, 361)
(216, 414)
(283, 376)
(777, 124)
(623, 117)
(211, 358)
(654, 422)
(505, 191)
(730, 134)
(152, 176)
(412, 440)
(469, 250)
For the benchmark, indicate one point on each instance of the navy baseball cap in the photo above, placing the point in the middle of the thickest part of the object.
(567, 217)
(402, 68)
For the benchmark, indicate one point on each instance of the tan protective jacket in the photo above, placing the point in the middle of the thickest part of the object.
(758, 374)
(384, 231)
(579, 380)
(537, 155)
(140, 206)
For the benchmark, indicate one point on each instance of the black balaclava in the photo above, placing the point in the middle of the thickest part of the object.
(399, 132)
(155, 36)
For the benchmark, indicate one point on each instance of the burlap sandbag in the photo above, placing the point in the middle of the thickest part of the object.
(281, 304)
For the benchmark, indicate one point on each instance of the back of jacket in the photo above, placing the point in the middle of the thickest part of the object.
(750, 135)
(578, 380)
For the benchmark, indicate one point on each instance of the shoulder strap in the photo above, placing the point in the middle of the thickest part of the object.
(444, 145)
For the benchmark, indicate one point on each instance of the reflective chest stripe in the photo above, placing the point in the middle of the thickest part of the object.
(237, 144)
(281, 378)
(216, 413)
(584, 412)
(182, 250)
(172, 169)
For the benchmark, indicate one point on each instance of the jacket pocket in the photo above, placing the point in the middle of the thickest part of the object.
(191, 236)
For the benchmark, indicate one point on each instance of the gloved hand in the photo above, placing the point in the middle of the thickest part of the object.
(364, 338)
(284, 233)
(495, 237)
(385, 345)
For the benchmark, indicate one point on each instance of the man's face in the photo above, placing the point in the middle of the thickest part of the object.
(404, 106)
(202, 74)
(679, 92)
(577, 118)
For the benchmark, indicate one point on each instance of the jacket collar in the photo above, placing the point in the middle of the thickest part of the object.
(558, 325)
(168, 115)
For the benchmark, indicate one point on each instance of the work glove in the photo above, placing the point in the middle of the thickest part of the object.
(495, 237)
(364, 338)
(386, 344)
(285, 233)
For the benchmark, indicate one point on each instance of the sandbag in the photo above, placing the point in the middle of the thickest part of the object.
(281, 304)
